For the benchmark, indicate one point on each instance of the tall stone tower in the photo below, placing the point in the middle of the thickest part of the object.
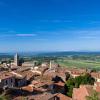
(16, 59)
(50, 65)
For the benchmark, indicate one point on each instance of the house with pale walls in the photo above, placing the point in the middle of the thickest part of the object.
(7, 80)
(19, 79)
(96, 76)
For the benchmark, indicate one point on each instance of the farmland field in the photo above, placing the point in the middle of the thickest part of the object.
(79, 64)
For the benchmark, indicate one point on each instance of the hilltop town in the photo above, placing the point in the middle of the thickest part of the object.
(49, 50)
(47, 81)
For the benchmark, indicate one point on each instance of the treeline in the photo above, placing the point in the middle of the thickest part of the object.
(76, 82)
(84, 57)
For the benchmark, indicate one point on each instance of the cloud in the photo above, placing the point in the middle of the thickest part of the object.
(88, 37)
(88, 34)
(15, 34)
(94, 22)
(5, 31)
(56, 21)
(60, 34)
(25, 35)
(6, 35)
(41, 39)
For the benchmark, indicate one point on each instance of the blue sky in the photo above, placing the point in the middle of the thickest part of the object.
(49, 25)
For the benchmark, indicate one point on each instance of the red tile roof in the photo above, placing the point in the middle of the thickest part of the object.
(97, 86)
(82, 92)
(5, 75)
(29, 74)
(28, 88)
(95, 74)
(62, 96)
(59, 84)
(43, 96)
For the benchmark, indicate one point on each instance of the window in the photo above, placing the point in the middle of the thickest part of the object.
(6, 82)
(56, 98)
(11, 80)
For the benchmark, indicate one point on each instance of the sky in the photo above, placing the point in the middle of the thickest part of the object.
(49, 25)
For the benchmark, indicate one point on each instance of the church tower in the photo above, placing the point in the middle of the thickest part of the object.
(50, 65)
(16, 59)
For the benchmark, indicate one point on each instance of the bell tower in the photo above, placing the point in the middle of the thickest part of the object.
(16, 59)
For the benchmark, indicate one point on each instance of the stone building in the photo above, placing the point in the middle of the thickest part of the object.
(16, 60)
(7, 80)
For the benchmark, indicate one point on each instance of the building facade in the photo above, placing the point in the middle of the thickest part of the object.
(7, 80)
(16, 60)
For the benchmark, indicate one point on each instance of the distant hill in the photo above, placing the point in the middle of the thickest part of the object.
(48, 54)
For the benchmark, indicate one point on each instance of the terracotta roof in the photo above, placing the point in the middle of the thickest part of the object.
(77, 72)
(29, 74)
(28, 88)
(62, 96)
(43, 96)
(18, 98)
(5, 75)
(39, 90)
(31, 88)
(95, 74)
(97, 86)
(40, 83)
(16, 75)
(59, 83)
(54, 74)
(82, 92)
(34, 82)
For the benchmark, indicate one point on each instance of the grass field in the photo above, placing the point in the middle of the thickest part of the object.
(79, 64)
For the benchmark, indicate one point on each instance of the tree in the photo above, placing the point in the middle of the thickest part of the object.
(70, 84)
(67, 75)
(56, 79)
(84, 79)
(87, 79)
(2, 97)
(76, 82)
(93, 96)
(21, 61)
